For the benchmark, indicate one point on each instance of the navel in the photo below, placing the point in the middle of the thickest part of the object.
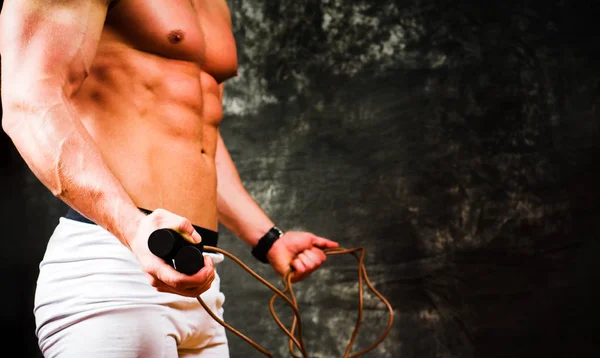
(176, 36)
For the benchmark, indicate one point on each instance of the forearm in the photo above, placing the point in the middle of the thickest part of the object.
(238, 211)
(59, 151)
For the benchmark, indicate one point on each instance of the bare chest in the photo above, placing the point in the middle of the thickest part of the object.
(189, 30)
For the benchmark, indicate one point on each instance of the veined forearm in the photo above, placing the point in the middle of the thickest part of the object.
(240, 213)
(62, 155)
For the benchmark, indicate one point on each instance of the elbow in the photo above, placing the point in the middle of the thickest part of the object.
(19, 109)
(8, 124)
(11, 112)
(8, 115)
(28, 98)
(5, 126)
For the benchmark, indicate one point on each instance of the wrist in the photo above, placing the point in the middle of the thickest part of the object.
(129, 226)
(265, 243)
(252, 233)
(273, 250)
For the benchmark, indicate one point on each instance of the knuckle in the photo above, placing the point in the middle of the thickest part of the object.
(178, 285)
(153, 282)
(156, 219)
(184, 224)
(159, 211)
(186, 293)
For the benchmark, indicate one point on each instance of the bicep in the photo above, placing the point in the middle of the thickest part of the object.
(48, 43)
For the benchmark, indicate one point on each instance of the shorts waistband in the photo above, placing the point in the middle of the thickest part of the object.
(209, 237)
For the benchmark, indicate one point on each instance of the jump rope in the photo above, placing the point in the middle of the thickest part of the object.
(187, 258)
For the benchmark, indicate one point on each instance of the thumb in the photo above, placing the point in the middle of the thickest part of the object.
(186, 229)
(324, 243)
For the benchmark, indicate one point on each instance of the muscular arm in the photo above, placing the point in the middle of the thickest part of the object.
(46, 48)
(238, 211)
(242, 215)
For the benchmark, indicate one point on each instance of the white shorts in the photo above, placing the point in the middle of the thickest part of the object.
(92, 300)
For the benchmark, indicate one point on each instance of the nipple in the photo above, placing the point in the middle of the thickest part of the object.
(176, 36)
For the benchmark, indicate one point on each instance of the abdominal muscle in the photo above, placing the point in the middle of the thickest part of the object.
(155, 121)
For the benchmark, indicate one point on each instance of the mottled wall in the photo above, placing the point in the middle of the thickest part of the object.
(457, 142)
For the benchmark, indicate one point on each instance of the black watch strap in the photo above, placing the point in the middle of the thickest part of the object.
(264, 244)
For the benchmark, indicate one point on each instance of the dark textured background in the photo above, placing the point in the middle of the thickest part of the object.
(457, 141)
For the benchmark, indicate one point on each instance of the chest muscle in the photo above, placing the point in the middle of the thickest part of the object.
(188, 30)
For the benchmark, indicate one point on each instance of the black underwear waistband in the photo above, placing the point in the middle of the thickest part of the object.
(209, 237)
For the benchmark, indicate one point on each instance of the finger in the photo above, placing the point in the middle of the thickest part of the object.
(309, 267)
(153, 281)
(187, 293)
(297, 276)
(197, 291)
(203, 282)
(178, 223)
(323, 242)
(186, 229)
(159, 285)
(306, 261)
(166, 289)
(312, 259)
(298, 266)
(158, 270)
(180, 281)
(204, 276)
(168, 275)
(162, 287)
(319, 255)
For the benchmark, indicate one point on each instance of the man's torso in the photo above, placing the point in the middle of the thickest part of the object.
(152, 100)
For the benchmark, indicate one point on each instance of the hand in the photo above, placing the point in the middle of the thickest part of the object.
(160, 275)
(302, 251)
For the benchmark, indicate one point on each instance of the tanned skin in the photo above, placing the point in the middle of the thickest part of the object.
(117, 105)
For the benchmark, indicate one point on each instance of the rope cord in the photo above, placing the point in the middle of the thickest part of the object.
(295, 332)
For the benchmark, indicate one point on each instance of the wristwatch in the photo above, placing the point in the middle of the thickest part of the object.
(265, 243)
